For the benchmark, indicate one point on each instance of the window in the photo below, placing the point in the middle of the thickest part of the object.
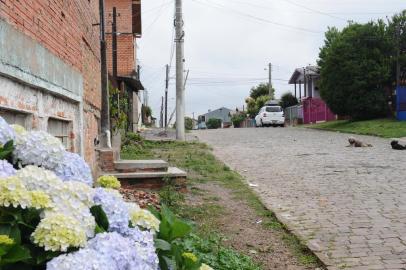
(14, 117)
(274, 109)
(60, 129)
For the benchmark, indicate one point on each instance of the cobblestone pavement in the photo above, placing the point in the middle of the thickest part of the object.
(348, 204)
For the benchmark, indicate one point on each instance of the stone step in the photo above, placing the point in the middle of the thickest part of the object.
(152, 180)
(128, 166)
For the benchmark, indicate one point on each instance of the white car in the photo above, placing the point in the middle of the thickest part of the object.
(270, 116)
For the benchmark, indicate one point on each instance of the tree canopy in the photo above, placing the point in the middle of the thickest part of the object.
(288, 100)
(261, 89)
(355, 66)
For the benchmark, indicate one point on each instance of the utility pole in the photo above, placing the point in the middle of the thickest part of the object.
(166, 95)
(180, 89)
(162, 113)
(270, 80)
(105, 111)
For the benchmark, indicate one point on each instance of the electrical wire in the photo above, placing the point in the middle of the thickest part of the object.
(247, 15)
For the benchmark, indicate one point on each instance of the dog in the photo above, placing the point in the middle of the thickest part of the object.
(396, 146)
(357, 143)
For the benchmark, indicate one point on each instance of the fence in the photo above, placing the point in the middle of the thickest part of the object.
(315, 110)
(294, 115)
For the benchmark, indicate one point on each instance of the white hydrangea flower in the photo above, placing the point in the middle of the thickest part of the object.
(18, 130)
(143, 218)
(70, 198)
(6, 132)
(39, 148)
(84, 259)
(6, 169)
(59, 232)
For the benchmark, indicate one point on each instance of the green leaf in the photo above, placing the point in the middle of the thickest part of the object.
(162, 245)
(99, 229)
(16, 254)
(15, 233)
(154, 212)
(100, 217)
(180, 229)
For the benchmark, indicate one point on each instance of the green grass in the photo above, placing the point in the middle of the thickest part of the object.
(202, 167)
(386, 128)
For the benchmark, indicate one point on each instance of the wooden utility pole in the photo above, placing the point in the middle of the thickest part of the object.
(105, 111)
(180, 60)
(161, 122)
(166, 95)
(270, 80)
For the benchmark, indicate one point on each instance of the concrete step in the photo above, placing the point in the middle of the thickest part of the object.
(128, 166)
(151, 180)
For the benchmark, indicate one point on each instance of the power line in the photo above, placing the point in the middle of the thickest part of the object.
(314, 10)
(222, 7)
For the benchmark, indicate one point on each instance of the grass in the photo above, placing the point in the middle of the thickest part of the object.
(202, 167)
(386, 128)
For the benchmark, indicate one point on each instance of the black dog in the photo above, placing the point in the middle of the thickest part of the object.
(397, 146)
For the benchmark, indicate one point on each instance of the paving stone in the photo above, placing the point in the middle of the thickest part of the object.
(345, 199)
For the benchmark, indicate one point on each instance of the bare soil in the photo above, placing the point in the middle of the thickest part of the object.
(244, 230)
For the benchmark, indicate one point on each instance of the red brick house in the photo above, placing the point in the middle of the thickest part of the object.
(50, 69)
(128, 27)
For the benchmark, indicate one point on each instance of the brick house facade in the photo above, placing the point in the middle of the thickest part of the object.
(128, 31)
(50, 69)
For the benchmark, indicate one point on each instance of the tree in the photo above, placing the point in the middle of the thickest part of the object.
(261, 90)
(238, 118)
(288, 100)
(188, 123)
(354, 69)
(254, 105)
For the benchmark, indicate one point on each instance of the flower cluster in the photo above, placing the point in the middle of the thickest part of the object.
(74, 168)
(39, 148)
(14, 193)
(6, 240)
(107, 181)
(59, 232)
(114, 207)
(6, 132)
(6, 169)
(143, 218)
(84, 259)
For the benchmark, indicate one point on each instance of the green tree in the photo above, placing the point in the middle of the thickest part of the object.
(213, 123)
(188, 123)
(355, 66)
(261, 90)
(288, 100)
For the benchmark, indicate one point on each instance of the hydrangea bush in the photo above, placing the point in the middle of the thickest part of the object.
(52, 217)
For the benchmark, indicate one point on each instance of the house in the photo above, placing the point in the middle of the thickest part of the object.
(312, 108)
(50, 70)
(124, 71)
(222, 113)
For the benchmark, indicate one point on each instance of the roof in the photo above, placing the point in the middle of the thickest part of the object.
(298, 74)
(135, 84)
(217, 110)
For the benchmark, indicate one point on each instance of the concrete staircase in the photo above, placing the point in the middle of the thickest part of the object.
(141, 174)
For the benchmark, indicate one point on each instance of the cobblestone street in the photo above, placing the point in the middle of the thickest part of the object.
(348, 204)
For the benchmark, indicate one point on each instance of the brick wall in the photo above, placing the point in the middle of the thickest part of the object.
(125, 40)
(64, 27)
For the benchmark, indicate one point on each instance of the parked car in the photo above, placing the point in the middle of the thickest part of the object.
(270, 116)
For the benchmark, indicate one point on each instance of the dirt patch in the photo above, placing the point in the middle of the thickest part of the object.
(244, 230)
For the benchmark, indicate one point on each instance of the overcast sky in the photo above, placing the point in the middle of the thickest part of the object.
(229, 43)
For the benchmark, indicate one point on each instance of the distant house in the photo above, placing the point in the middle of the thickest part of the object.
(222, 113)
(312, 109)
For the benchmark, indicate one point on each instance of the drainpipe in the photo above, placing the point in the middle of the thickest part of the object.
(105, 112)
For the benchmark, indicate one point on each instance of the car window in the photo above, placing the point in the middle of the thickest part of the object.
(274, 109)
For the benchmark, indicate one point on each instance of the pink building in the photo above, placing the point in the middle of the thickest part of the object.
(312, 109)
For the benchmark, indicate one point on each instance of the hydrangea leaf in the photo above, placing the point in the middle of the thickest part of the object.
(16, 254)
(100, 217)
(162, 245)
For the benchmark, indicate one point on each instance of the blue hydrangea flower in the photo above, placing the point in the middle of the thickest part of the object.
(41, 149)
(121, 250)
(74, 168)
(6, 132)
(84, 259)
(6, 169)
(114, 207)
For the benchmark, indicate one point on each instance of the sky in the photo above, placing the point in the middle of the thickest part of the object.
(229, 44)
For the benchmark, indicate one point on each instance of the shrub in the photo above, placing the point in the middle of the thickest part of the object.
(188, 123)
(237, 119)
(213, 123)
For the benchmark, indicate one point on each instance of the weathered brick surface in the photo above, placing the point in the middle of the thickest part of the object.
(65, 28)
(348, 204)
